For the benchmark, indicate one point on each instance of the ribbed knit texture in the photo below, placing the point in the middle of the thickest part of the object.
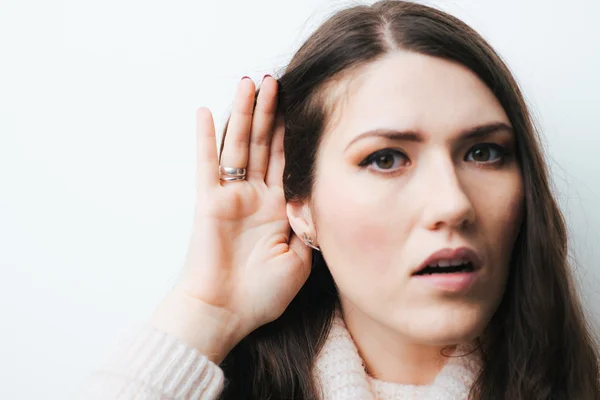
(153, 365)
(150, 364)
(342, 375)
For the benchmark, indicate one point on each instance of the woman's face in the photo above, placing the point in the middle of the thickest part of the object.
(398, 178)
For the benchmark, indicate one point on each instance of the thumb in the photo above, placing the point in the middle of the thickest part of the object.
(299, 249)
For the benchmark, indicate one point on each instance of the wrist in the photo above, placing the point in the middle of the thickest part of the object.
(211, 330)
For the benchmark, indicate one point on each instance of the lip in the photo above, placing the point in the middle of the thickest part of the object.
(452, 282)
(465, 253)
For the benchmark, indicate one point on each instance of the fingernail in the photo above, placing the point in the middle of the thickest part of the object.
(245, 77)
(265, 77)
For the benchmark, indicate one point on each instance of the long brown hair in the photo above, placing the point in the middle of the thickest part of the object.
(537, 345)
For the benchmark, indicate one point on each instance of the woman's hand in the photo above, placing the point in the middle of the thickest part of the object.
(244, 264)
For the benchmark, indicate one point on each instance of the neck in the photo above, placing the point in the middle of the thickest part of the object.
(390, 357)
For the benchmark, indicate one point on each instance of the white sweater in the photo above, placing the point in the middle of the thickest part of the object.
(153, 365)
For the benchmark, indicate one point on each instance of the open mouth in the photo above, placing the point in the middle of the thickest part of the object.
(430, 270)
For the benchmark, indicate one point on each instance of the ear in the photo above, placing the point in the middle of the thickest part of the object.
(300, 218)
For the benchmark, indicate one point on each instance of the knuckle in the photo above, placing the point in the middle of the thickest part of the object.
(261, 138)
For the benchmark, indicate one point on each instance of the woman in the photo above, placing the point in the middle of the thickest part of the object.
(427, 257)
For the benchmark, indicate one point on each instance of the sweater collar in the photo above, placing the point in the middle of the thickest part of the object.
(340, 373)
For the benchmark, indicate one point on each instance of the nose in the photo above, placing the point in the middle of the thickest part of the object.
(446, 204)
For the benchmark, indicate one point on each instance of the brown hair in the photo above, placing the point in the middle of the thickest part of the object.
(537, 345)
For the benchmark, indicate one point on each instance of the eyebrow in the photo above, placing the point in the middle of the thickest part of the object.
(476, 132)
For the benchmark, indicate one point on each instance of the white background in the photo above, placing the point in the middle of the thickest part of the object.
(97, 103)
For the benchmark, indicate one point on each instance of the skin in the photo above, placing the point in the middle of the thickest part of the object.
(377, 222)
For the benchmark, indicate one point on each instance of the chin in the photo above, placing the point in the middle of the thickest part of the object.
(442, 338)
(448, 328)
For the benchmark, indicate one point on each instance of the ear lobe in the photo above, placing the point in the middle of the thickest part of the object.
(299, 217)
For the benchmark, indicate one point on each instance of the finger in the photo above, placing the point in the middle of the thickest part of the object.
(276, 156)
(235, 146)
(301, 250)
(262, 129)
(207, 163)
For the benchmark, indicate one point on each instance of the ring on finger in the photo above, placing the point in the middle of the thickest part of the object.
(232, 178)
(232, 171)
(232, 174)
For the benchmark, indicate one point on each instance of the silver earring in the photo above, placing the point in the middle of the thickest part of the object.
(309, 241)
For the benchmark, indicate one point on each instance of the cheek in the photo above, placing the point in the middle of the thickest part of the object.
(500, 214)
(361, 234)
(505, 207)
(352, 224)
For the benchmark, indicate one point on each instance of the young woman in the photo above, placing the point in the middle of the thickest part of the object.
(379, 225)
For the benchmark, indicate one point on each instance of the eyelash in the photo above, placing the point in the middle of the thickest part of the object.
(503, 153)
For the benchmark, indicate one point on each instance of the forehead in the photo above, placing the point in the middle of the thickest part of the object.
(411, 91)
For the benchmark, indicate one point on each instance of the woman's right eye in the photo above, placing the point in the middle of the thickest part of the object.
(385, 160)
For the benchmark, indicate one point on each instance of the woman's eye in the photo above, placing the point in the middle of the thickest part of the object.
(486, 153)
(385, 159)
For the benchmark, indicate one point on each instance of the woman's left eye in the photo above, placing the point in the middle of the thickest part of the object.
(386, 159)
(486, 153)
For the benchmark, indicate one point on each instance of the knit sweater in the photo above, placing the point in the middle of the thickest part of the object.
(150, 364)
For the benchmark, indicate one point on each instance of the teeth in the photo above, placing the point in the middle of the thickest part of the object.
(447, 263)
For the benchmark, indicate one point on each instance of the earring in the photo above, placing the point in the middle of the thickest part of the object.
(309, 241)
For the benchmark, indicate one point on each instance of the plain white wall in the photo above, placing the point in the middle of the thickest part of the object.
(97, 104)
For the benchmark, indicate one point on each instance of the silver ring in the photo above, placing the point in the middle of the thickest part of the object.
(228, 174)
(232, 178)
(232, 171)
